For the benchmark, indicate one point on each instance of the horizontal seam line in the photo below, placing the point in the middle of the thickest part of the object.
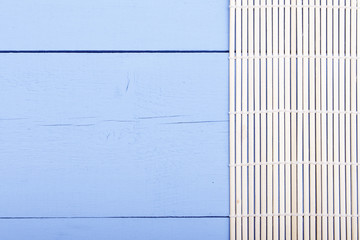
(111, 217)
(114, 51)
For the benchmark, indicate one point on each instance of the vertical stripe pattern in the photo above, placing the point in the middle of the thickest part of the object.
(294, 119)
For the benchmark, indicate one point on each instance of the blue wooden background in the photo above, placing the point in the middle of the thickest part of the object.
(113, 119)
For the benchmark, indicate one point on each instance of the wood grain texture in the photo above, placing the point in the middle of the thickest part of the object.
(114, 229)
(113, 135)
(114, 25)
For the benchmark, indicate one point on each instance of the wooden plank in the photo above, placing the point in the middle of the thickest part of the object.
(232, 135)
(287, 74)
(336, 127)
(239, 124)
(257, 140)
(251, 82)
(354, 187)
(306, 134)
(330, 106)
(244, 126)
(276, 138)
(312, 129)
(347, 118)
(342, 120)
(113, 134)
(269, 123)
(294, 91)
(282, 227)
(114, 25)
(300, 132)
(127, 229)
(318, 118)
(263, 131)
(324, 136)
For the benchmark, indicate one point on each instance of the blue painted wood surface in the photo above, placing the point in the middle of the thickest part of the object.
(113, 135)
(113, 25)
(114, 229)
(89, 136)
